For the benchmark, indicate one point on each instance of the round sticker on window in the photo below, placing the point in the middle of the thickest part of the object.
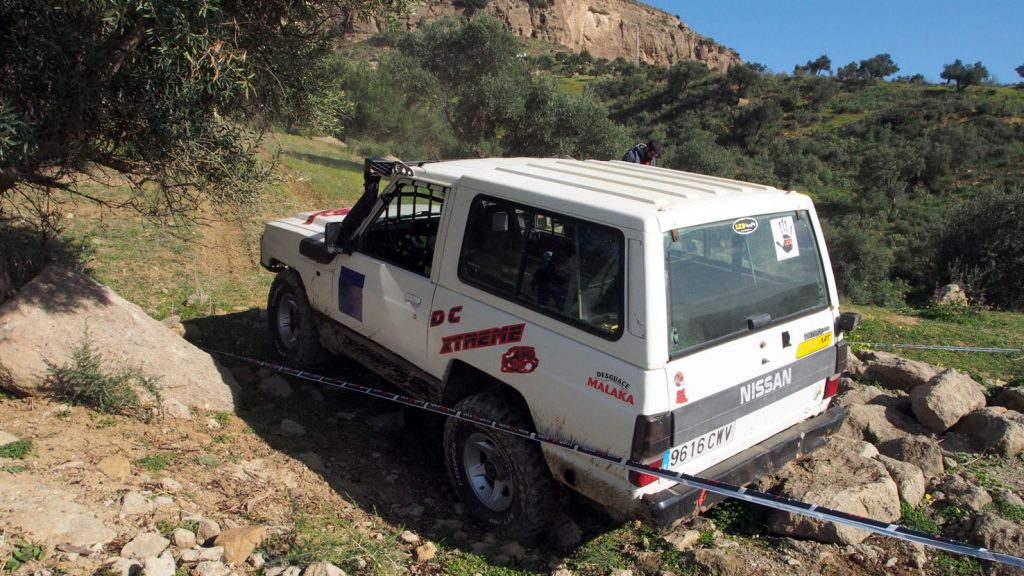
(744, 226)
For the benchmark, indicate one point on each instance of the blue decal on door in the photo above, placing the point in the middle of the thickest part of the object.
(350, 293)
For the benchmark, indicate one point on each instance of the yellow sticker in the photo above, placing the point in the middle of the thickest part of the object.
(813, 345)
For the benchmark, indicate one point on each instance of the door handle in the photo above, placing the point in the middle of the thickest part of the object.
(412, 299)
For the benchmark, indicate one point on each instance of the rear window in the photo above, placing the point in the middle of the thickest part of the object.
(727, 278)
(566, 268)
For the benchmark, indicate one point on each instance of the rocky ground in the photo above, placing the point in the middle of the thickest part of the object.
(301, 479)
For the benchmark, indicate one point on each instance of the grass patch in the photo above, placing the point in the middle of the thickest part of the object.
(951, 565)
(948, 326)
(331, 537)
(917, 518)
(91, 380)
(221, 438)
(459, 563)
(157, 462)
(1010, 512)
(208, 460)
(735, 518)
(14, 468)
(17, 449)
(222, 418)
(24, 552)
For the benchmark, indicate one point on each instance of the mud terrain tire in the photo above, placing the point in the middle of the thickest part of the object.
(501, 479)
(293, 330)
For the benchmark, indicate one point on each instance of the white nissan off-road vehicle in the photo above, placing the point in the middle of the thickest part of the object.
(685, 321)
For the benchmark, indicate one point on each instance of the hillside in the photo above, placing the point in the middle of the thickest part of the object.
(605, 28)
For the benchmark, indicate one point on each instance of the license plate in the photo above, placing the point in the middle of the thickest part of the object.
(699, 446)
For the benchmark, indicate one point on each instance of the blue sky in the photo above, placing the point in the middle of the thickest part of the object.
(920, 35)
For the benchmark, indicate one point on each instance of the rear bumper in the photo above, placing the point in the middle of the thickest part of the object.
(679, 502)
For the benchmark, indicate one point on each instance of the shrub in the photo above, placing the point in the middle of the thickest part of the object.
(16, 449)
(91, 380)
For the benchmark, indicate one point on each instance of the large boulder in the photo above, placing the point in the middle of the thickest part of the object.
(950, 295)
(940, 404)
(921, 451)
(909, 479)
(875, 422)
(997, 534)
(838, 478)
(1012, 398)
(896, 373)
(48, 318)
(994, 428)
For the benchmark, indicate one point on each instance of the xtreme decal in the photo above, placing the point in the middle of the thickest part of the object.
(482, 338)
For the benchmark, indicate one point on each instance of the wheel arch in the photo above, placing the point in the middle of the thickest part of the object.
(464, 380)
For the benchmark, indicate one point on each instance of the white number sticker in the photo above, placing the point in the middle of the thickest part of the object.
(699, 446)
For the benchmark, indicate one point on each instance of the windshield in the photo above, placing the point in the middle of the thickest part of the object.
(729, 277)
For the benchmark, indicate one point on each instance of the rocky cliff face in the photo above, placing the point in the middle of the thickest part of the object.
(605, 28)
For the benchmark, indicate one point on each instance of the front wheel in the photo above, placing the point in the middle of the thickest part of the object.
(293, 330)
(501, 479)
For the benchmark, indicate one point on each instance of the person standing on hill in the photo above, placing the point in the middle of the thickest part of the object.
(644, 154)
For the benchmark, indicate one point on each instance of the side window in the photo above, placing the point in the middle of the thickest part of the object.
(561, 266)
(405, 230)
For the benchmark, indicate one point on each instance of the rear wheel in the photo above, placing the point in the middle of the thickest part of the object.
(501, 479)
(293, 330)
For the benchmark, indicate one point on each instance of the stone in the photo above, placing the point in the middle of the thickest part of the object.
(877, 423)
(206, 530)
(173, 323)
(941, 403)
(183, 538)
(313, 461)
(257, 561)
(275, 386)
(115, 467)
(162, 565)
(910, 482)
(211, 568)
(6, 438)
(950, 295)
(47, 514)
(995, 533)
(920, 451)
(171, 485)
(239, 543)
(1012, 398)
(46, 320)
(960, 492)
(144, 545)
(994, 428)
(175, 409)
(134, 503)
(123, 567)
(894, 372)
(683, 540)
(323, 569)
(564, 533)
(425, 552)
(408, 537)
(839, 479)
(292, 428)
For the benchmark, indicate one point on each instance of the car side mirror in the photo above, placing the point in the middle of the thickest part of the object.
(848, 322)
(332, 231)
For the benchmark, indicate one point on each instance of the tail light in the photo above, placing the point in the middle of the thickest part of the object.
(831, 386)
(639, 479)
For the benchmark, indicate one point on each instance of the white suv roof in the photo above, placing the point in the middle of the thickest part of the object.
(601, 189)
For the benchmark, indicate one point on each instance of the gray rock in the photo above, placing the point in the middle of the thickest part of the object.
(408, 537)
(175, 409)
(920, 451)
(909, 479)
(950, 295)
(960, 492)
(257, 561)
(123, 567)
(994, 533)
(292, 428)
(162, 565)
(183, 538)
(994, 428)
(945, 400)
(275, 386)
(683, 540)
(144, 545)
(6, 438)
(48, 514)
(854, 366)
(30, 322)
(1004, 495)
(211, 569)
(206, 530)
(171, 485)
(115, 467)
(894, 372)
(877, 423)
(323, 569)
(840, 479)
(1012, 398)
(135, 503)
(857, 394)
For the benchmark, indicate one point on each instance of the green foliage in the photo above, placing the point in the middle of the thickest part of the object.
(955, 313)
(1009, 511)
(16, 449)
(157, 462)
(964, 76)
(861, 261)
(91, 380)
(208, 460)
(917, 518)
(983, 244)
(954, 565)
(24, 552)
(735, 517)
